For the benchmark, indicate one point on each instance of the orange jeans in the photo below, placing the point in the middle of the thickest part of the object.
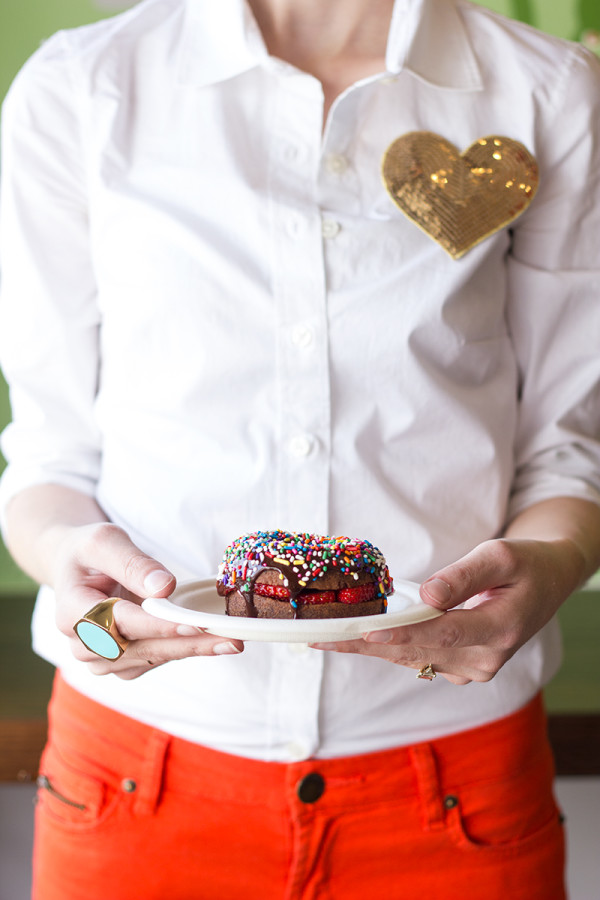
(127, 812)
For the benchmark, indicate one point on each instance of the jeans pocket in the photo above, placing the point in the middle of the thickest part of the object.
(504, 818)
(71, 793)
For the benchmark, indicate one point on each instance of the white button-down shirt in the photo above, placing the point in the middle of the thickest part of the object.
(216, 320)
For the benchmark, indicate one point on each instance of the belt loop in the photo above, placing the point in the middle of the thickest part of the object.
(149, 787)
(424, 764)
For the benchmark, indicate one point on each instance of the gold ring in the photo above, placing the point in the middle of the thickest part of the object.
(98, 632)
(427, 672)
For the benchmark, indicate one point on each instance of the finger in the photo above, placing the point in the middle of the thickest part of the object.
(415, 658)
(161, 650)
(75, 601)
(465, 645)
(141, 656)
(457, 629)
(412, 656)
(354, 646)
(489, 567)
(131, 620)
(135, 624)
(108, 549)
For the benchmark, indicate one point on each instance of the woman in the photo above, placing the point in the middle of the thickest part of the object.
(234, 323)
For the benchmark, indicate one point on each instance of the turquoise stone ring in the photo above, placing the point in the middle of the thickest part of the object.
(98, 632)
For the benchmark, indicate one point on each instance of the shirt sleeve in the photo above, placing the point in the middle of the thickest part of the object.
(554, 300)
(49, 320)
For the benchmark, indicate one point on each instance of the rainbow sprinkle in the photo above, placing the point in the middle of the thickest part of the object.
(301, 558)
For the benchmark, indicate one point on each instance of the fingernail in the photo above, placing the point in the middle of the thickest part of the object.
(157, 581)
(438, 591)
(380, 637)
(188, 630)
(225, 648)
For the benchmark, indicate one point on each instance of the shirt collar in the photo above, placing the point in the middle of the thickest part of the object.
(427, 38)
(221, 39)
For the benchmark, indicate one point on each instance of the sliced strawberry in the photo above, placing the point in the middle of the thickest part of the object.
(356, 594)
(272, 590)
(317, 597)
(344, 595)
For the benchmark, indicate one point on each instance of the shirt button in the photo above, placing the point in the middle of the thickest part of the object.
(296, 751)
(311, 788)
(301, 445)
(336, 164)
(329, 228)
(302, 336)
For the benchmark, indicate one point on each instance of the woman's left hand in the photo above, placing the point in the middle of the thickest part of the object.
(508, 588)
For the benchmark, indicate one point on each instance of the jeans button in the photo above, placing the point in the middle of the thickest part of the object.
(311, 787)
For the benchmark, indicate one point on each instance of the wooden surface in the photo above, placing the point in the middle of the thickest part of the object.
(21, 744)
(575, 740)
(573, 697)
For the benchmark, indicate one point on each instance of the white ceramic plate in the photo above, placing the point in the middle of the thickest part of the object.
(197, 603)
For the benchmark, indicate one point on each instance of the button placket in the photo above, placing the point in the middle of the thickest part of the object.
(300, 307)
(339, 187)
(293, 702)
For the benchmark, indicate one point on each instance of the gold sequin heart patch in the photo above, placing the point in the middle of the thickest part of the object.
(459, 199)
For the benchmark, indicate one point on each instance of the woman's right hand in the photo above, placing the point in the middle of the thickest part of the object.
(97, 561)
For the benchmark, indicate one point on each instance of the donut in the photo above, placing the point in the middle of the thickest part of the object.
(288, 575)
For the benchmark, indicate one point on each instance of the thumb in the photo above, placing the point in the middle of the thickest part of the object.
(110, 551)
(486, 567)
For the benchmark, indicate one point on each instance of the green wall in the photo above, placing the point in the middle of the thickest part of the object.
(565, 18)
(24, 24)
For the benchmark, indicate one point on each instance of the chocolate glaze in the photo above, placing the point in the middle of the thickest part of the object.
(337, 563)
(247, 590)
